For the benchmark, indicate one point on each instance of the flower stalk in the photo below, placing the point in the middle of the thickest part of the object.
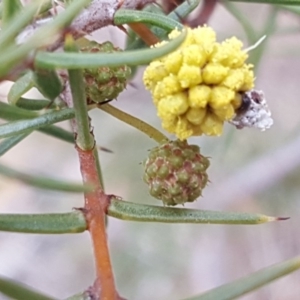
(142, 126)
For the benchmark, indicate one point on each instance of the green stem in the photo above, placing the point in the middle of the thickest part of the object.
(142, 126)
(84, 138)
(129, 211)
(95, 200)
(72, 222)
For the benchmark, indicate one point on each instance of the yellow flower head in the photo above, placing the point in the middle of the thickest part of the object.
(197, 87)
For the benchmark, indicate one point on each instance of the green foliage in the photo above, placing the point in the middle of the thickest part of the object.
(72, 222)
(88, 60)
(20, 87)
(20, 292)
(40, 182)
(242, 286)
(22, 126)
(10, 9)
(129, 211)
(58, 76)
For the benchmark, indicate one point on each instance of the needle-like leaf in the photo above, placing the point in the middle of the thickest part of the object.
(72, 222)
(18, 291)
(129, 211)
(86, 60)
(18, 127)
(247, 284)
(44, 182)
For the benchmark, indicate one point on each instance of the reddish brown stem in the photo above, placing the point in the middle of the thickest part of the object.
(207, 9)
(145, 33)
(95, 207)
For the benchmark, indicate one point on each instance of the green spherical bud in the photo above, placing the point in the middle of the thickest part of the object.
(104, 83)
(176, 172)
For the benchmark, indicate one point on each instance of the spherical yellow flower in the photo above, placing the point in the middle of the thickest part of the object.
(197, 87)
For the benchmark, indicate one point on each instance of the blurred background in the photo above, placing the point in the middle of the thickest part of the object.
(250, 171)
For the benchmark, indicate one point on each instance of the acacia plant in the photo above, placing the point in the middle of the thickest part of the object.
(197, 84)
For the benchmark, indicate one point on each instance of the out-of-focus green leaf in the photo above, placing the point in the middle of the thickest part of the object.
(44, 182)
(293, 9)
(268, 30)
(10, 9)
(35, 104)
(46, 5)
(13, 113)
(72, 222)
(10, 142)
(54, 131)
(245, 23)
(253, 35)
(15, 26)
(48, 83)
(18, 127)
(59, 133)
(80, 296)
(12, 55)
(87, 60)
(18, 291)
(20, 87)
(184, 9)
(247, 284)
(129, 211)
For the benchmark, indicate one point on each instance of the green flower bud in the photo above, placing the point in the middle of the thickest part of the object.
(176, 172)
(104, 83)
